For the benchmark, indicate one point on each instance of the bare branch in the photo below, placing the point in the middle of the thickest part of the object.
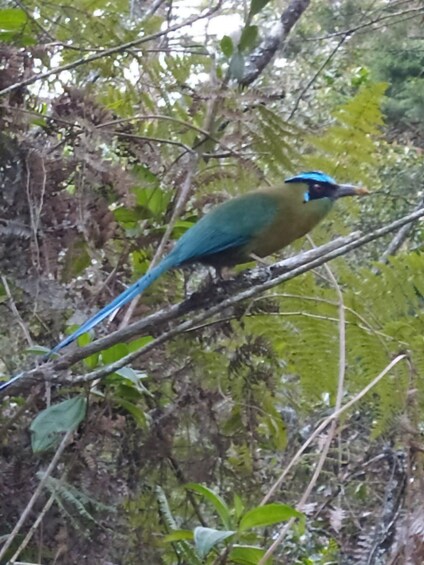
(359, 27)
(400, 237)
(107, 52)
(266, 51)
(36, 494)
(336, 414)
(209, 303)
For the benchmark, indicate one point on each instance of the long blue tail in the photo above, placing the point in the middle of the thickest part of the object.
(137, 288)
(5, 385)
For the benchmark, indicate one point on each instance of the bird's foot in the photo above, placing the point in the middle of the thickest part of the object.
(260, 260)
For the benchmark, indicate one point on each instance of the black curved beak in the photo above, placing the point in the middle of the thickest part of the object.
(350, 190)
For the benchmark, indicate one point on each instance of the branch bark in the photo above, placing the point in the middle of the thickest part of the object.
(272, 42)
(207, 304)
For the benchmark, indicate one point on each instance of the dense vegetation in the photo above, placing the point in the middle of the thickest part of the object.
(214, 431)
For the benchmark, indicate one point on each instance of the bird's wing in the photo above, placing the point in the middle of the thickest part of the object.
(230, 225)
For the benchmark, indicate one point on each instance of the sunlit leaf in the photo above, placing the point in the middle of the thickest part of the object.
(217, 502)
(247, 555)
(114, 353)
(178, 535)
(12, 19)
(268, 515)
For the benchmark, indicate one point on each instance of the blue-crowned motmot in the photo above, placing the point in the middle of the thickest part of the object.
(255, 224)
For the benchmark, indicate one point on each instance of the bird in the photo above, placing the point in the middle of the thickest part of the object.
(250, 226)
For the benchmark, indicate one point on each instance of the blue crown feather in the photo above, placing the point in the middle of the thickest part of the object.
(311, 176)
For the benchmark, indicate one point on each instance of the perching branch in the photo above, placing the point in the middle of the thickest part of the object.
(206, 304)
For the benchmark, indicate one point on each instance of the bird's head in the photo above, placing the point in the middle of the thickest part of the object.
(320, 185)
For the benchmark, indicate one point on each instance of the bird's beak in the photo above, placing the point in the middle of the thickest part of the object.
(350, 190)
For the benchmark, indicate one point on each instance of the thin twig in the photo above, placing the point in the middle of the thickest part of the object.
(182, 199)
(32, 529)
(107, 52)
(359, 27)
(400, 237)
(339, 398)
(16, 312)
(36, 494)
(334, 416)
(182, 123)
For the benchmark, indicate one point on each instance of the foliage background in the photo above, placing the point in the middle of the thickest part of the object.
(119, 128)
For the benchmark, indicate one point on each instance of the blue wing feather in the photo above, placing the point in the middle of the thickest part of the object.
(231, 225)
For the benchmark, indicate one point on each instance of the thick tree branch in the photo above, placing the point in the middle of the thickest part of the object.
(207, 304)
(260, 58)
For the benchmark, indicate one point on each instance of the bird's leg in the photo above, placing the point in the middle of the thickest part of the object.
(218, 274)
(266, 265)
(260, 260)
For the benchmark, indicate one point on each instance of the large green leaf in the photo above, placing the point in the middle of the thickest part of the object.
(216, 500)
(206, 538)
(247, 555)
(14, 28)
(237, 66)
(257, 6)
(248, 38)
(12, 19)
(268, 515)
(49, 426)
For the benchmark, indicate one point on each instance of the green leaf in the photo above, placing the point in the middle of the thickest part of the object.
(133, 378)
(135, 411)
(238, 506)
(257, 6)
(206, 538)
(268, 515)
(218, 502)
(227, 46)
(154, 200)
(178, 535)
(38, 350)
(48, 427)
(131, 375)
(114, 353)
(247, 555)
(83, 339)
(237, 66)
(139, 343)
(12, 27)
(12, 19)
(248, 38)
